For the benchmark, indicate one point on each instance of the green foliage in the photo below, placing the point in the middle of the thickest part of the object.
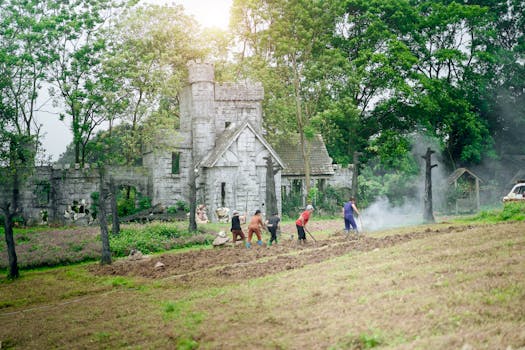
(187, 344)
(361, 341)
(292, 203)
(182, 206)
(312, 195)
(144, 202)
(374, 182)
(328, 201)
(94, 204)
(17, 221)
(512, 211)
(129, 201)
(154, 238)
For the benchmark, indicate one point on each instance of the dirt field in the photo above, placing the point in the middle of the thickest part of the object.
(238, 263)
(433, 287)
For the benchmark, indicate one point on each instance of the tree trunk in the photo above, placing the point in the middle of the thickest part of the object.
(10, 242)
(428, 214)
(77, 152)
(10, 210)
(271, 198)
(102, 219)
(192, 226)
(355, 174)
(115, 229)
(300, 128)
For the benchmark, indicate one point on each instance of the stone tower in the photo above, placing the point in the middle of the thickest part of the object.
(198, 109)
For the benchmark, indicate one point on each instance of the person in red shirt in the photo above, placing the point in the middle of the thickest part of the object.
(256, 224)
(301, 223)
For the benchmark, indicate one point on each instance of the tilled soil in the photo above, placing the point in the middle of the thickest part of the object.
(234, 263)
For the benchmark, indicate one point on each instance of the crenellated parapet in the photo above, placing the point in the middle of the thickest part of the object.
(200, 72)
(245, 91)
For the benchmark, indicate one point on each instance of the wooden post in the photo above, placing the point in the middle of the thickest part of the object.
(428, 214)
(477, 194)
(102, 218)
(192, 198)
(271, 198)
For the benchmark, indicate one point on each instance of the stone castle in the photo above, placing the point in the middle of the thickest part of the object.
(221, 139)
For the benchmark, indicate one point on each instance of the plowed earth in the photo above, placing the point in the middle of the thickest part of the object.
(236, 262)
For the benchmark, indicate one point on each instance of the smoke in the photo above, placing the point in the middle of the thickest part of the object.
(382, 214)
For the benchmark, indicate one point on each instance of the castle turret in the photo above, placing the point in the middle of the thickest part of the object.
(201, 108)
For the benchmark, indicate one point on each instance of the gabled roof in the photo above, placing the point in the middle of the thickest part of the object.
(459, 172)
(290, 151)
(227, 138)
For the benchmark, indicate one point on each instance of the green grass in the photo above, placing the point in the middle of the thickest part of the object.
(437, 292)
(513, 211)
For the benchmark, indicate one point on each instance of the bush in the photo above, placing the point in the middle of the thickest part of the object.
(144, 202)
(18, 221)
(513, 211)
(94, 204)
(183, 206)
(154, 238)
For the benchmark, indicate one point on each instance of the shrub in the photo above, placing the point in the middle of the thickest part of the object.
(144, 202)
(154, 238)
(513, 211)
(183, 206)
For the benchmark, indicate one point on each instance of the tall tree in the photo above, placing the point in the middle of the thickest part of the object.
(151, 46)
(17, 153)
(27, 33)
(285, 44)
(81, 84)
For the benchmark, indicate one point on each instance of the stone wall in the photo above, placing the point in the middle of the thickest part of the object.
(63, 195)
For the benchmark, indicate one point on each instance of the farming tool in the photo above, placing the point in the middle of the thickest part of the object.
(362, 227)
(315, 241)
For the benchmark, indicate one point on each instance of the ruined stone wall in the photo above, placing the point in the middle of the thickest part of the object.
(63, 194)
(167, 187)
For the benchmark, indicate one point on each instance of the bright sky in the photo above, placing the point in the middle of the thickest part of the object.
(57, 134)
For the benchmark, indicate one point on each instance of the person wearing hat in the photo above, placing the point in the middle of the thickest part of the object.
(301, 223)
(236, 229)
(256, 224)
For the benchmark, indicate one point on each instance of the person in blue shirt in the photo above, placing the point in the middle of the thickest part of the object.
(348, 212)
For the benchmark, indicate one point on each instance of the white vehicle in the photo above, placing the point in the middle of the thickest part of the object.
(516, 194)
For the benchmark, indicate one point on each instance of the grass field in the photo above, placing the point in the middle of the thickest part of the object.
(445, 286)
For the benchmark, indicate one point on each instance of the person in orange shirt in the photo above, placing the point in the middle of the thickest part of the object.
(301, 223)
(256, 224)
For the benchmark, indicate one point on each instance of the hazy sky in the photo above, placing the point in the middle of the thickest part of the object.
(56, 134)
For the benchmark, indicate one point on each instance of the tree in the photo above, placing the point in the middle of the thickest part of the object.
(27, 34)
(285, 44)
(80, 81)
(150, 47)
(16, 155)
